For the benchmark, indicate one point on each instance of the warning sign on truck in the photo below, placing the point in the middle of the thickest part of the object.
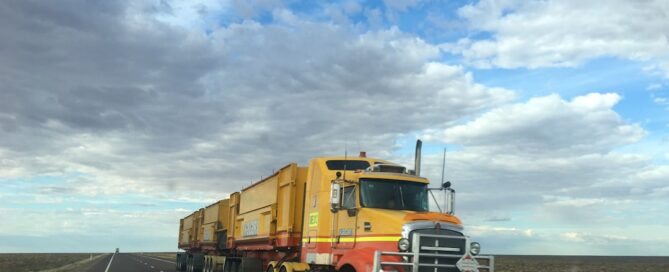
(467, 264)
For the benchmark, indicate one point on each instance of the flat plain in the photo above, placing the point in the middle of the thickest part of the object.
(515, 263)
(25, 262)
(170, 256)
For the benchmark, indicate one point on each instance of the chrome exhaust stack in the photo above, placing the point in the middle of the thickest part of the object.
(416, 167)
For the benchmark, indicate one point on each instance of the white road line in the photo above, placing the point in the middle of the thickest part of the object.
(110, 261)
(159, 259)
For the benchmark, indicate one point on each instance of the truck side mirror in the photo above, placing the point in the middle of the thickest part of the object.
(450, 201)
(335, 197)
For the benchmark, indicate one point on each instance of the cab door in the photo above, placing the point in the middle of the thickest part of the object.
(346, 225)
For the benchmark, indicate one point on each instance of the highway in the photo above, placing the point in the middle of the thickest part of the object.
(127, 262)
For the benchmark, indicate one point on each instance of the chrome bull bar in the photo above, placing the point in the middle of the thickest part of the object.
(485, 263)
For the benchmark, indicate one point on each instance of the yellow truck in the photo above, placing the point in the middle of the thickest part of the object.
(347, 214)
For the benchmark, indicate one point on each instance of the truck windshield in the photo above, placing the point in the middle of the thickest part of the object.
(393, 194)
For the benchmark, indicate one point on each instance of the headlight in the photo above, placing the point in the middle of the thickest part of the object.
(475, 248)
(403, 244)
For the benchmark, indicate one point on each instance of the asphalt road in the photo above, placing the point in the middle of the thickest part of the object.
(127, 262)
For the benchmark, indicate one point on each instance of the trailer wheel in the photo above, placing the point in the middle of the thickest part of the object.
(198, 262)
(283, 269)
(210, 264)
(270, 268)
(181, 262)
(191, 263)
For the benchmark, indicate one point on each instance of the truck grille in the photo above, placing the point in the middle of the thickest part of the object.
(433, 250)
(442, 242)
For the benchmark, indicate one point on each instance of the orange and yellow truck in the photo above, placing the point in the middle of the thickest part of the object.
(347, 214)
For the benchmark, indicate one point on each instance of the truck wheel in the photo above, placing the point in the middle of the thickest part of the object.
(191, 263)
(209, 264)
(270, 268)
(178, 262)
(198, 262)
(347, 268)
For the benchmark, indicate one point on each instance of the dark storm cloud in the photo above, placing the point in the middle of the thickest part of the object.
(98, 70)
(136, 103)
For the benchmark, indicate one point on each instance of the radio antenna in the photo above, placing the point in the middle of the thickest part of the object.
(443, 168)
(345, 157)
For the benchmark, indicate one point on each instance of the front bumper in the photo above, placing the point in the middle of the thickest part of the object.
(437, 259)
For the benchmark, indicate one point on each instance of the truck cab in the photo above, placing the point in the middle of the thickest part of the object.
(366, 214)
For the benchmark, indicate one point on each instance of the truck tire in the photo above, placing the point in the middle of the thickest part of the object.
(205, 267)
(232, 265)
(197, 262)
(347, 268)
(181, 262)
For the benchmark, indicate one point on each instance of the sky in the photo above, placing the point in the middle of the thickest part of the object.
(117, 118)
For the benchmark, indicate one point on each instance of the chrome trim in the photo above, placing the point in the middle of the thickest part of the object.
(409, 227)
(449, 249)
(415, 255)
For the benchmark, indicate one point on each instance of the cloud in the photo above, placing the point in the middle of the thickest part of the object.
(512, 240)
(201, 13)
(400, 5)
(592, 239)
(487, 230)
(88, 230)
(121, 101)
(497, 219)
(254, 8)
(661, 101)
(654, 87)
(134, 104)
(586, 124)
(537, 34)
(162, 100)
(544, 153)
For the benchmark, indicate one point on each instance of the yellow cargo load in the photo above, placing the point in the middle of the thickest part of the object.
(214, 221)
(268, 215)
(187, 232)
